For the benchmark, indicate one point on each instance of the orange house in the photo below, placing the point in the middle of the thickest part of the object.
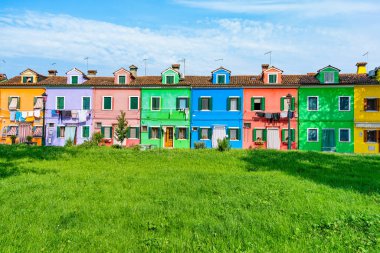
(266, 107)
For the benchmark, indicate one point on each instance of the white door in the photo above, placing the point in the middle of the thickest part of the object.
(273, 139)
(218, 133)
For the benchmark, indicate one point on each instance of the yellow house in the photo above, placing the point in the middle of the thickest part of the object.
(21, 107)
(367, 116)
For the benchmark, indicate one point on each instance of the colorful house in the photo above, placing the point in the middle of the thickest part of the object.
(21, 108)
(68, 107)
(216, 111)
(111, 95)
(367, 114)
(326, 110)
(266, 109)
(165, 103)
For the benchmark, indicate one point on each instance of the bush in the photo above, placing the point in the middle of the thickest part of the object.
(69, 143)
(117, 146)
(97, 138)
(224, 145)
(13, 139)
(29, 138)
(199, 145)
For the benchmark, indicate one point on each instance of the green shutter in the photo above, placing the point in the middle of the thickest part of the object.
(121, 79)
(293, 104)
(186, 133)
(238, 134)
(149, 132)
(34, 101)
(199, 103)
(74, 80)
(283, 135)
(107, 103)
(86, 103)
(209, 133)
(252, 104)
(187, 103)
(60, 103)
(228, 104)
(159, 132)
(282, 103)
(177, 103)
(254, 134)
(24, 79)
(134, 102)
(137, 133)
(239, 104)
(210, 103)
(9, 100)
(293, 133)
(199, 133)
(102, 132)
(264, 135)
(128, 132)
(228, 133)
(18, 103)
(86, 131)
(263, 104)
(176, 133)
(58, 131)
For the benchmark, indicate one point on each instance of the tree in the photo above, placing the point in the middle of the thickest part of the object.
(121, 130)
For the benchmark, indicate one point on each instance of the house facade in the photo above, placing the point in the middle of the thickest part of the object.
(21, 107)
(367, 115)
(111, 96)
(266, 109)
(165, 103)
(216, 111)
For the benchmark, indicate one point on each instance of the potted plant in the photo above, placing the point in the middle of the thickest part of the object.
(29, 140)
(13, 139)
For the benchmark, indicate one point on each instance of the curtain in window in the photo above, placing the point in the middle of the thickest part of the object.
(39, 103)
(70, 132)
(13, 104)
(313, 103)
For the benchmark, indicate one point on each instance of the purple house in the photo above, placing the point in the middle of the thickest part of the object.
(68, 108)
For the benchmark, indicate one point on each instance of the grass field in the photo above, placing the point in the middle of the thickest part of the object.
(109, 200)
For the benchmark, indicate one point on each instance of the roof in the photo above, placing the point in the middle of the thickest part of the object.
(170, 68)
(273, 67)
(329, 66)
(31, 70)
(194, 81)
(221, 67)
(121, 69)
(76, 70)
(3, 77)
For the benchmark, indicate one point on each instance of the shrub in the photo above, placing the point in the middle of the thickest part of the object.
(224, 145)
(199, 145)
(97, 138)
(13, 139)
(69, 143)
(117, 146)
(29, 138)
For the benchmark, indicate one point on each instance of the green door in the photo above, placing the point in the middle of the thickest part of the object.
(328, 140)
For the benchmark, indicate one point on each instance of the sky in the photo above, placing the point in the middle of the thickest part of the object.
(304, 36)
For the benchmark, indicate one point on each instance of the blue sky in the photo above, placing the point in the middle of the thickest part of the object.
(303, 35)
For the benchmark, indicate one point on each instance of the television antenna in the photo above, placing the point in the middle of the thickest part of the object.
(145, 61)
(86, 58)
(270, 57)
(184, 65)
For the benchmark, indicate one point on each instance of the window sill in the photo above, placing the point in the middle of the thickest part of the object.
(370, 142)
(205, 110)
(371, 111)
(313, 141)
(106, 109)
(204, 139)
(181, 139)
(132, 138)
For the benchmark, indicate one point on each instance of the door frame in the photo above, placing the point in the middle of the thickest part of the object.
(164, 135)
(213, 129)
(279, 138)
(334, 138)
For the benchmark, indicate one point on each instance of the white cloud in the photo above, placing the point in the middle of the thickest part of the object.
(66, 40)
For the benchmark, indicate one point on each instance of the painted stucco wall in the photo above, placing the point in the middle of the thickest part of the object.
(321, 76)
(218, 116)
(272, 71)
(75, 72)
(122, 72)
(272, 105)
(170, 72)
(73, 101)
(167, 116)
(120, 102)
(328, 116)
(221, 72)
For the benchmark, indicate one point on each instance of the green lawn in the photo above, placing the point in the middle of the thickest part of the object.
(110, 200)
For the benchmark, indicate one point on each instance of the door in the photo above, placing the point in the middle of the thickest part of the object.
(273, 139)
(70, 134)
(219, 133)
(169, 137)
(24, 131)
(328, 140)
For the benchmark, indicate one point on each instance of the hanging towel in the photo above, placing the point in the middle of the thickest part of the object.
(82, 114)
(54, 113)
(12, 116)
(291, 115)
(268, 115)
(37, 113)
(284, 114)
(66, 114)
(18, 116)
(24, 114)
(260, 114)
(30, 113)
(276, 116)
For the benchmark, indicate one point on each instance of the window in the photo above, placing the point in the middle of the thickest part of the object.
(98, 125)
(74, 80)
(133, 133)
(312, 135)
(156, 104)
(121, 79)
(51, 124)
(107, 132)
(259, 135)
(285, 135)
(344, 103)
(107, 103)
(234, 134)
(86, 103)
(154, 133)
(204, 133)
(60, 103)
(247, 125)
(312, 103)
(27, 79)
(144, 129)
(181, 133)
(38, 103)
(272, 78)
(182, 103)
(13, 103)
(221, 79)
(371, 136)
(60, 132)
(285, 102)
(133, 103)
(257, 104)
(170, 79)
(371, 104)
(344, 135)
(233, 104)
(329, 77)
(85, 131)
(37, 131)
(205, 104)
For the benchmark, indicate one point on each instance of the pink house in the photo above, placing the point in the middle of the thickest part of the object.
(111, 95)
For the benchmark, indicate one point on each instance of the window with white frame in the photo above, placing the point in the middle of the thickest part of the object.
(234, 103)
(312, 103)
(133, 103)
(204, 133)
(60, 103)
(170, 79)
(344, 103)
(329, 77)
(107, 103)
(234, 134)
(344, 135)
(156, 103)
(272, 78)
(312, 134)
(221, 79)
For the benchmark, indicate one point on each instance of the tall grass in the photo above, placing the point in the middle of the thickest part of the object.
(110, 200)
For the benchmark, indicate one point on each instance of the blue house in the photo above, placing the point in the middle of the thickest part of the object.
(216, 110)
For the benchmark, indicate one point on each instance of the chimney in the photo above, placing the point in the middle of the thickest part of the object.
(264, 67)
(361, 68)
(52, 72)
(133, 69)
(176, 67)
(91, 73)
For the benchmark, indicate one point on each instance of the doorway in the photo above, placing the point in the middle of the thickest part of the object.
(273, 138)
(219, 133)
(169, 133)
(328, 140)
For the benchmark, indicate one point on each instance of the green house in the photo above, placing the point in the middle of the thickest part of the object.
(326, 112)
(165, 114)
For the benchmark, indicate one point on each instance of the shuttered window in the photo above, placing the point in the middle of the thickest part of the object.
(371, 104)
(27, 79)
(233, 104)
(233, 134)
(74, 80)
(221, 79)
(60, 103)
(60, 131)
(121, 79)
(182, 103)
(181, 133)
(133, 133)
(154, 133)
(205, 133)
(272, 78)
(133, 103)
(257, 104)
(205, 103)
(170, 79)
(107, 132)
(156, 104)
(85, 131)
(285, 134)
(107, 103)
(259, 135)
(13, 103)
(86, 102)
